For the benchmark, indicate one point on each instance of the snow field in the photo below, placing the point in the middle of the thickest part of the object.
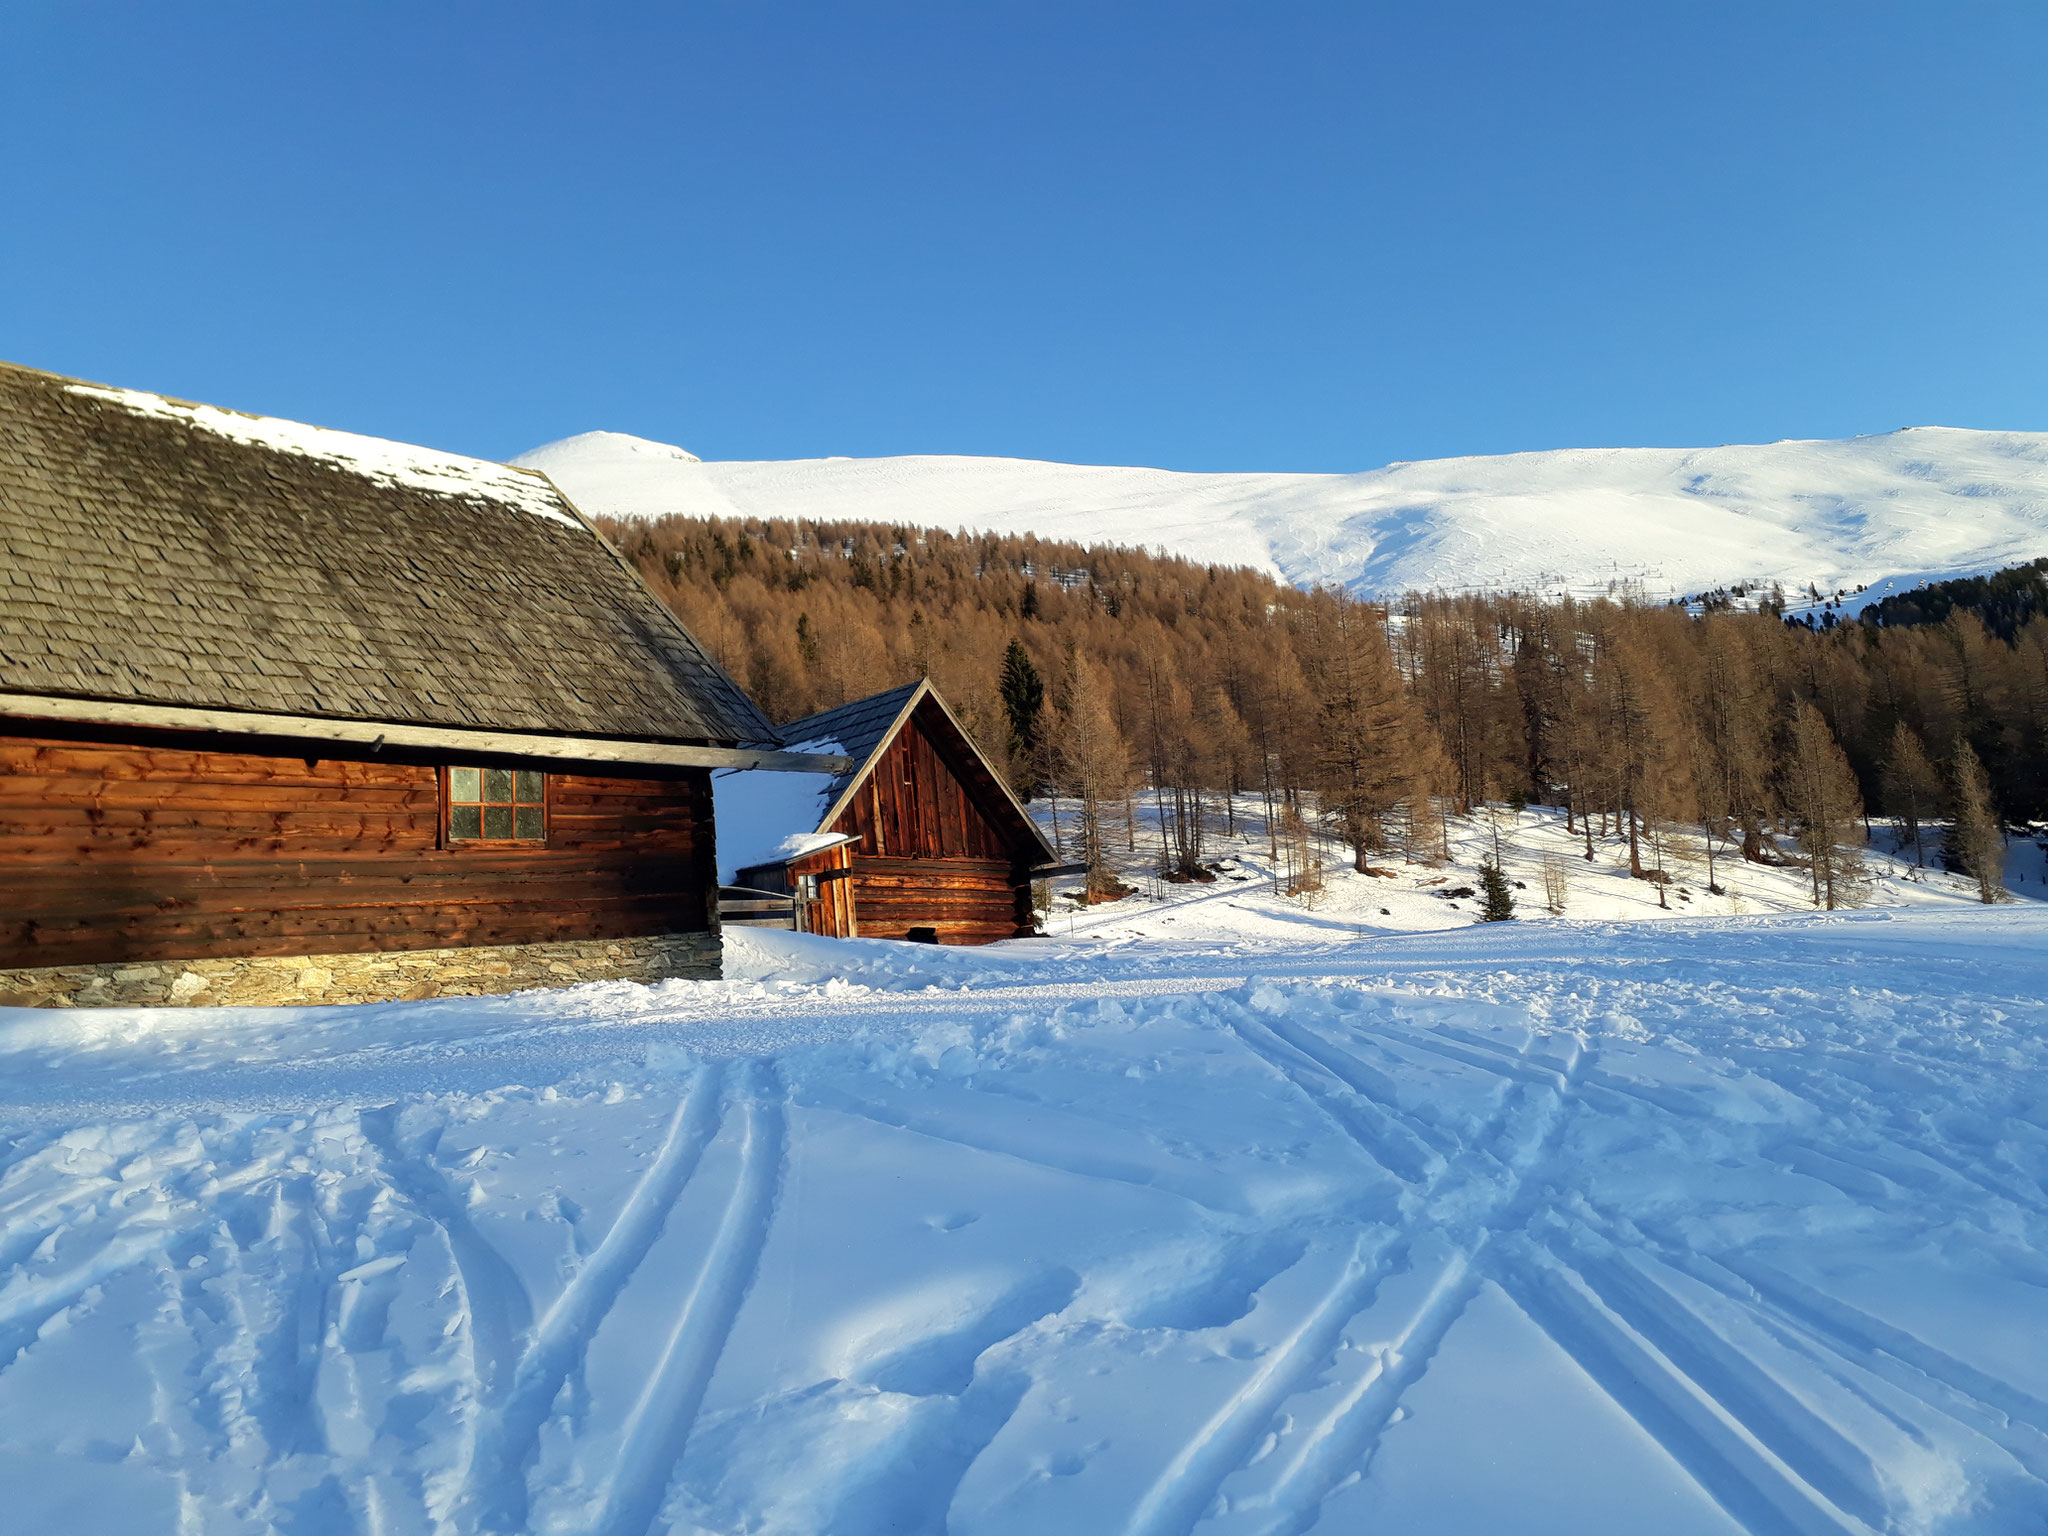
(1733, 1224)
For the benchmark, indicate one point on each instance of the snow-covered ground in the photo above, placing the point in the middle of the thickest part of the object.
(1895, 507)
(1244, 900)
(1217, 1217)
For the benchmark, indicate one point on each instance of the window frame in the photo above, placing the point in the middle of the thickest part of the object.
(445, 775)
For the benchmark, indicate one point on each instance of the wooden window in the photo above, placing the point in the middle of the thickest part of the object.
(497, 805)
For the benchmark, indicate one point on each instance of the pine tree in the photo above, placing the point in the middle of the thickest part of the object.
(1023, 695)
(921, 643)
(1637, 697)
(1366, 724)
(1300, 870)
(1976, 844)
(1731, 731)
(1499, 904)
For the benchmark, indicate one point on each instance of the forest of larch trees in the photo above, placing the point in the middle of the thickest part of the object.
(1128, 683)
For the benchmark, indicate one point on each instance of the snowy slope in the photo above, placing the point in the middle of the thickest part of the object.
(1717, 1226)
(1925, 501)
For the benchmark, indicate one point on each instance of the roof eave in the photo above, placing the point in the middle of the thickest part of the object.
(867, 764)
(382, 733)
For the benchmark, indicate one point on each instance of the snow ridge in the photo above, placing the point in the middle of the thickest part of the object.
(1901, 506)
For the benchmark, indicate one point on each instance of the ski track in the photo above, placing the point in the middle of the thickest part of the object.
(496, 1306)
(494, 1491)
(1473, 1197)
(1736, 1470)
(248, 1225)
(1766, 1460)
(659, 1428)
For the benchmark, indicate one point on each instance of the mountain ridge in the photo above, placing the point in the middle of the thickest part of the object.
(1884, 511)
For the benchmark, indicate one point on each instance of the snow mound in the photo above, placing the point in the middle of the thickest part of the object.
(1666, 521)
(603, 447)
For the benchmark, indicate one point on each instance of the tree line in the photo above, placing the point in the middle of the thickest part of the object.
(1127, 683)
(2005, 601)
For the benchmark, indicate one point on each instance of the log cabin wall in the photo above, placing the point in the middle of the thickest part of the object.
(927, 855)
(151, 846)
(830, 912)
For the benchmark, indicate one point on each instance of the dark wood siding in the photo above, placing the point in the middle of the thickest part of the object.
(173, 848)
(831, 911)
(934, 846)
(967, 901)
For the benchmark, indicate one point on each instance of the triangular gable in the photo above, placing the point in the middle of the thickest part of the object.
(864, 716)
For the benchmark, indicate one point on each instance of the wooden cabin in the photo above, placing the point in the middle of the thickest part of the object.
(294, 715)
(921, 839)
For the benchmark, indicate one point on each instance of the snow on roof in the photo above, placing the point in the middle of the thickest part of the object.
(420, 469)
(767, 817)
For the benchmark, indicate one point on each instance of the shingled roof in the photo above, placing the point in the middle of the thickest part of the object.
(158, 552)
(853, 730)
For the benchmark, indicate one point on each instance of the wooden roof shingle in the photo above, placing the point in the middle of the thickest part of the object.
(158, 552)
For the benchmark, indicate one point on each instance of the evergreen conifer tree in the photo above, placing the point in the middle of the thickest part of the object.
(1023, 693)
(1500, 901)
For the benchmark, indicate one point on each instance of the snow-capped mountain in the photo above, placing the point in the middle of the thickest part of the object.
(1887, 510)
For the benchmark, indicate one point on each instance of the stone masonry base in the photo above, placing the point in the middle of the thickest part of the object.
(390, 976)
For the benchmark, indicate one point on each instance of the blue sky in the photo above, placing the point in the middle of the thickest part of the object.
(1200, 235)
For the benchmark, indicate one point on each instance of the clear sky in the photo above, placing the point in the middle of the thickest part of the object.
(1266, 234)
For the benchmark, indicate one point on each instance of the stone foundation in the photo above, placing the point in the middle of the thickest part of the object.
(391, 976)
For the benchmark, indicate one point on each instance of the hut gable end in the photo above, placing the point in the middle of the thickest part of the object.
(914, 801)
(926, 838)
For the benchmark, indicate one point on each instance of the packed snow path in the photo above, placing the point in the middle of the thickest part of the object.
(1734, 1225)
